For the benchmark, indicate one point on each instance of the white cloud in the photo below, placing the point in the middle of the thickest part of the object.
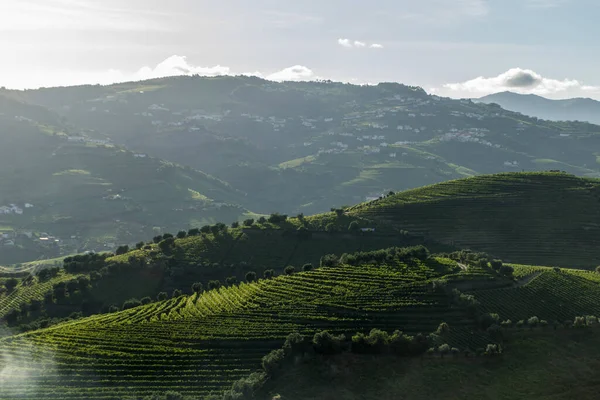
(295, 73)
(178, 65)
(359, 44)
(516, 80)
(344, 42)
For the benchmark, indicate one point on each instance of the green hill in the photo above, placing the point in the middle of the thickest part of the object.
(306, 146)
(197, 344)
(537, 365)
(84, 194)
(530, 218)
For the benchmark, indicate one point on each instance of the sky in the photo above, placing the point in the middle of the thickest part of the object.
(456, 48)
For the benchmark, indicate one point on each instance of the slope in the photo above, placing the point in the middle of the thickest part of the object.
(85, 193)
(536, 366)
(307, 146)
(576, 109)
(534, 218)
(200, 343)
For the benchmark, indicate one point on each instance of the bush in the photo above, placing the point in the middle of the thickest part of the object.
(496, 264)
(289, 270)
(443, 350)
(193, 232)
(443, 328)
(11, 283)
(329, 260)
(131, 303)
(176, 293)
(249, 222)
(376, 342)
(307, 267)
(231, 280)
(214, 284)
(507, 271)
(273, 361)
(162, 296)
(579, 322)
(122, 249)
(326, 343)
(181, 234)
(492, 350)
(296, 344)
(268, 273)
(250, 276)
(533, 322)
(146, 300)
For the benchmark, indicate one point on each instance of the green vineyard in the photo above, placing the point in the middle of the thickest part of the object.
(529, 218)
(202, 343)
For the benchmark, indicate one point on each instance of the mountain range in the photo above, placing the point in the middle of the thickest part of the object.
(576, 109)
(181, 152)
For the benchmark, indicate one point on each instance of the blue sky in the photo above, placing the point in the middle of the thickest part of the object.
(458, 48)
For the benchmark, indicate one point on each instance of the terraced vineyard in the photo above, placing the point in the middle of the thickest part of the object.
(550, 295)
(527, 218)
(197, 344)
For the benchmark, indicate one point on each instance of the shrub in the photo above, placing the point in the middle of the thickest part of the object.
(533, 322)
(307, 267)
(289, 270)
(176, 293)
(197, 287)
(194, 232)
(11, 283)
(214, 284)
(506, 324)
(146, 300)
(326, 343)
(231, 280)
(162, 296)
(268, 273)
(507, 271)
(492, 350)
(131, 303)
(329, 260)
(296, 344)
(273, 361)
(122, 249)
(250, 276)
(579, 322)
(249, 222)
(139, 245)
(181, 234)
(496, 264)
(442, 329)
(444, 349)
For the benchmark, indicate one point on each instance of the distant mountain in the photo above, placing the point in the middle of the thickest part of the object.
(303, 147)
(577, 109)
(62, 191)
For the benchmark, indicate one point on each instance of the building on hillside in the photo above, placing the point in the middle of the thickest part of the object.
(367, 229)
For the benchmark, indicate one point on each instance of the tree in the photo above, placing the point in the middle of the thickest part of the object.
(122, 249)
(176, 293)
(326, 343)
(329, 260)
(249, 222)
(181, 234)
(268, 273)
(307, 267)
(139, 245)
(11, 283)
(507, 271)
(197, 287)
(231, 280)
(194, 232)
(162, 296)
(172, 395)
(214, 284)
(273, 361)
(48, 298)
(598, 269)
(146, 300)
(353, 227)
(443, 328)
(83, 282)
(167, 236)
(496, 264)
(289, 270)
(131, 303)
(235, 224)
(444, 349)
(330, 227)
(205, 229)
(166, 244)
(250, 276)
(262, 220)
(157, 239)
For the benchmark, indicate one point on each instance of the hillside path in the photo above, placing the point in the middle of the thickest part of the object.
(527, 279)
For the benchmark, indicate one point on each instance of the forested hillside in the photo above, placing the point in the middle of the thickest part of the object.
(65, 192)
(304, 147)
